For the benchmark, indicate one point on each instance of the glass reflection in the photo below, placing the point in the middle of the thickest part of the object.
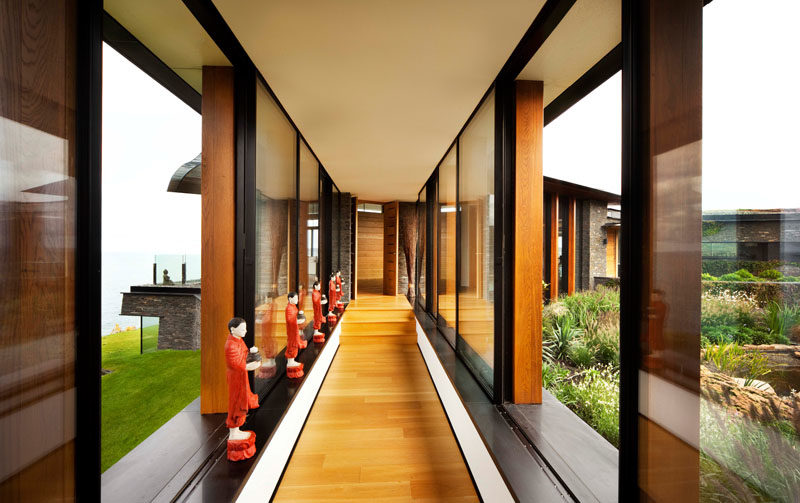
(275, 206)
(476, 247)
(446, 215)
(309, 227)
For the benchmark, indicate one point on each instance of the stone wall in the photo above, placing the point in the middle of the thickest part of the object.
(597, 217)
(407, 215)
(179, 316)
(345, 244)
(769, 231)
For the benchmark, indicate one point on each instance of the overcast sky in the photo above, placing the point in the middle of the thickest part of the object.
(147, 134)
(751, 109)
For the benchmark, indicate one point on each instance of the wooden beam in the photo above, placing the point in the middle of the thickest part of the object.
(528, 252)
(571, 246)
(217, 189)
(554, 247)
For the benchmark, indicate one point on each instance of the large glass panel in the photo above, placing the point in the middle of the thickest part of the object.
(276, 142)
(37, 251)
(446, 215)
(749, 301)
(309, 226)
(476, 248)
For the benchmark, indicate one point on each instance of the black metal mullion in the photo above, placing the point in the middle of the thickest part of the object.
(88, 253)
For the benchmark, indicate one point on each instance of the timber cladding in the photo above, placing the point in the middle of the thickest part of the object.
(369, 257)
(218, 225)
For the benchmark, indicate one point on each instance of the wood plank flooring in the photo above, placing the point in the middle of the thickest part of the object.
(377, 431)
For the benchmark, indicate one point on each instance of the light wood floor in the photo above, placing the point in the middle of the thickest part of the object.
(377, 431)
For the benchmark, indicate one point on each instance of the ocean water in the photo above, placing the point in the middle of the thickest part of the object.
(119, 271)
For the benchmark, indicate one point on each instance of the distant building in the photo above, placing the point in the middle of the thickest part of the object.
(757, 235)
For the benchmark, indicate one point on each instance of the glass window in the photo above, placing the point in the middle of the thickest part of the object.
(749, 450)
(446, 215)
(422, 251)
(276, 143)
(476, 247)
(309, 226)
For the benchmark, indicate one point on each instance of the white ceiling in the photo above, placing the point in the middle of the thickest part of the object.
(173, 34)
(379, 88)
(589, 31)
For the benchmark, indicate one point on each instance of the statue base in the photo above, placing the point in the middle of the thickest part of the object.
(302, 344)
(239, 450)
(332, 319)
(295, 372)
(318, 338)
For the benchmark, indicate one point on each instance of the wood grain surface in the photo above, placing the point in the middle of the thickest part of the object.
(377, 431)
(217, 189)
(527, 380)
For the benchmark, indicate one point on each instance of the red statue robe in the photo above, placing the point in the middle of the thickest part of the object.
(292, 332)
(332, 296)
(319, 318)
(341, 291)
(240, 398)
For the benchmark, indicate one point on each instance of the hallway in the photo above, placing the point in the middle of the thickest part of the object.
(377, 430)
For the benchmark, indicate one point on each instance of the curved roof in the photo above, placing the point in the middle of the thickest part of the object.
(187, 178)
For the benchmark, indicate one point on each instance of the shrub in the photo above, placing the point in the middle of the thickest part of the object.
(730, 277)
(771, 274)
(732, 359)
(604, 344)
(594, 396)
(553, 374)
(581, 355)
(707, 277)
(745, 275)
(719, 267)
(562, 336)
(781, 318)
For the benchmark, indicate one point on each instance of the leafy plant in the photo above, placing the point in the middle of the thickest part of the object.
(604, 343)
(781, 318)
(581, 355)
(745, 275)
(593, 395)
(732, 359)
(771, 274)
(707, 277)
(562, 336)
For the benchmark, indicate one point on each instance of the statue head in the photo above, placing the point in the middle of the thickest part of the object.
(237, 326)
(316, 285)
(339, 274)
(293, 298)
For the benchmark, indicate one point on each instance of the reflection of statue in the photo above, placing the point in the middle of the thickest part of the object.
(339, 292)
(656, 316)
(165, 279)
(294, 368)
(241, 444)
(332, 297)
(319, 319)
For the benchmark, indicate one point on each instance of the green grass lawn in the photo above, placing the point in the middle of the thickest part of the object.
(144, 391)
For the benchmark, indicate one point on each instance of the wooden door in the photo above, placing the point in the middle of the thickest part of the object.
(390, 231)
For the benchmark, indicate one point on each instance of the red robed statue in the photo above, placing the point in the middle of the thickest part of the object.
(294, 369)
(241, 444)
(319, 318)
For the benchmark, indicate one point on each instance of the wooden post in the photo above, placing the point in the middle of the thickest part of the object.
(217, 189)
(554, 247)
(570, 229)
(527, 381)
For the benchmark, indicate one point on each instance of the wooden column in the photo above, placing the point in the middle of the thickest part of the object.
(554, 247)
(571, 246)
(217, 189)
(528, 252)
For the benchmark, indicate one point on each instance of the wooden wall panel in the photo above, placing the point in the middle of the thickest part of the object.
(611, 253)
(217, 189)
(391, 235)
(527, 363)
(369, 255)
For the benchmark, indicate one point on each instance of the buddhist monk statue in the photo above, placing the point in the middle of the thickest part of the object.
(241, 444)
(294, 369)
(319, 318)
